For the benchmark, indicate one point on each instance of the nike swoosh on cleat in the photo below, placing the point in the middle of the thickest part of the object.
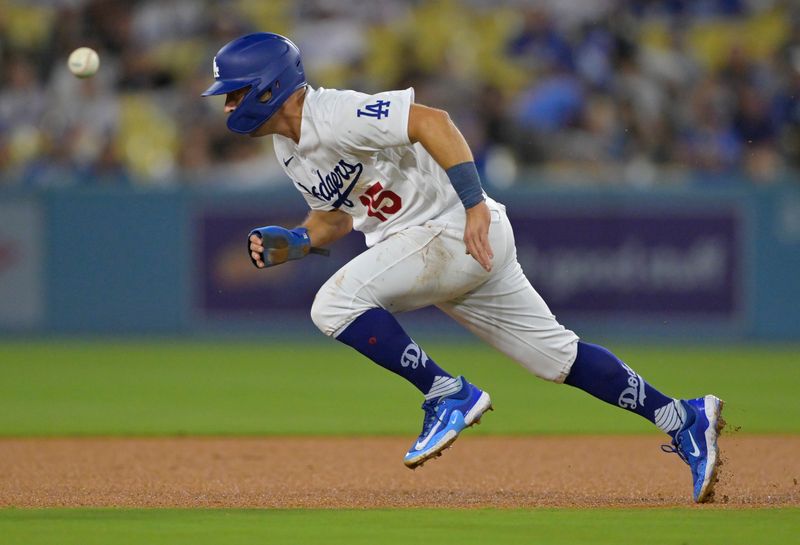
(419, 445)
(287, 161)
(696, 451)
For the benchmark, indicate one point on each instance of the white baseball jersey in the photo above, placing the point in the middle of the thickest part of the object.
(354, 155)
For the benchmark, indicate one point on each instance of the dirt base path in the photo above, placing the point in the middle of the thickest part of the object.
(368, 472)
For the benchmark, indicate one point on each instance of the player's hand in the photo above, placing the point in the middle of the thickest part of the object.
(476, 235)
(273, 245)
(256, 251)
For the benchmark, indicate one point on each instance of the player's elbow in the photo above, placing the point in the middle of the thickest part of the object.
(440, 118)
(425, 122)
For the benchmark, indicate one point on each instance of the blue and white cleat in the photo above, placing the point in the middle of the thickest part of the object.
(696, 443)
(445, 418)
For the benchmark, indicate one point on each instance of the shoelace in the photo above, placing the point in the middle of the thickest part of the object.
(674, 449)
(429, 407)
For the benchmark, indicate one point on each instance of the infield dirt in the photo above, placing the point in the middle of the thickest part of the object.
(368, 472)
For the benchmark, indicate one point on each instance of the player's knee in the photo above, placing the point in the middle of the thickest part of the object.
(550, 360)
(333, 309)
(338, 302)
(322, 315)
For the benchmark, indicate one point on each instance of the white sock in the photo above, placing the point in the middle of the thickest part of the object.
(443, 386)
(671, 416)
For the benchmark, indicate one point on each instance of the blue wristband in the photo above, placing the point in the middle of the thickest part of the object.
(467, 183)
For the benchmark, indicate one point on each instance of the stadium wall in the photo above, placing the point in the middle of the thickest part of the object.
(695, 263)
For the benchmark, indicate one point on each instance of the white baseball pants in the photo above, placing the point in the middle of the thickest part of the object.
(427, 265)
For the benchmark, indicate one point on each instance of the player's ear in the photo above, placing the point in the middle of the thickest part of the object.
(266, 96)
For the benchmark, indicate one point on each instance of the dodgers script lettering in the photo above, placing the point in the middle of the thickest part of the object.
(331, 186)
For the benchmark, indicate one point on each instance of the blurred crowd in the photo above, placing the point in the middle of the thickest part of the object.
(638, 92)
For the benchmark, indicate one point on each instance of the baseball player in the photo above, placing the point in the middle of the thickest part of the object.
(402, 174)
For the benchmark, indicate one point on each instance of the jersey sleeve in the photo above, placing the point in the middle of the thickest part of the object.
(362, 122)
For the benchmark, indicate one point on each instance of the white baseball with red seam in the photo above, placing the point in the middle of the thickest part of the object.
(84, 62)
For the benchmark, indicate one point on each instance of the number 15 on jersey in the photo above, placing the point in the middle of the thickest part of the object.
(380, 202)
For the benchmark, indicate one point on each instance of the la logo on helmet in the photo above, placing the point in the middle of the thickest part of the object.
(216, 68)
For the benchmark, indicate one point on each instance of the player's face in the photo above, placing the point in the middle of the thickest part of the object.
(234, 98)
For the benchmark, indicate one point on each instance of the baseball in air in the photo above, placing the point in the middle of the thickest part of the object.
(84, 62)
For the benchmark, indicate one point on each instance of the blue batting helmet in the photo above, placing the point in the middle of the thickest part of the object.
(269, 64)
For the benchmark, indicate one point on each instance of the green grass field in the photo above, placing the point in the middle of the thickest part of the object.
(236, 388)
(400, 527)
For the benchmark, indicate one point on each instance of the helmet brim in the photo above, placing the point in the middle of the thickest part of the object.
(223, 87)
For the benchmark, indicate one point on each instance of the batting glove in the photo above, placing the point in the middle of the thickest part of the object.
(280, 244)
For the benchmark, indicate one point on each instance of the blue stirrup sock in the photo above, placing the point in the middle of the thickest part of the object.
(600, 373)
(379, 336)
